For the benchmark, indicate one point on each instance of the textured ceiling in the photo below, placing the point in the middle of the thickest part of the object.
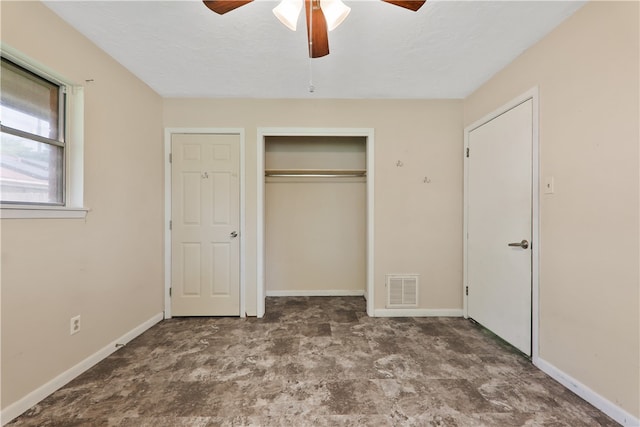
(445, 50)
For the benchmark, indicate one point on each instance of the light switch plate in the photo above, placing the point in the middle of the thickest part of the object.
(548, 185)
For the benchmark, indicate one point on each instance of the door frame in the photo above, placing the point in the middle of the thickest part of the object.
(168, 133)
(260, 250)
(533, 95)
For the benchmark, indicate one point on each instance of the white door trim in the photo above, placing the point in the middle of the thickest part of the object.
(168, 132)
(260, 250)
(533, 95)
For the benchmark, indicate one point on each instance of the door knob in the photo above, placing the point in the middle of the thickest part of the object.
(524, 244)
(233, 234)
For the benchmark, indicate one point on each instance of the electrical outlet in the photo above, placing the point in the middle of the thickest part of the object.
(75, 325)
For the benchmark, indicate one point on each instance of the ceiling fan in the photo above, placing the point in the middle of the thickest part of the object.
(322, 16)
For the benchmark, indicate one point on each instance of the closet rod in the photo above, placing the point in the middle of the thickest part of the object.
(315, 173)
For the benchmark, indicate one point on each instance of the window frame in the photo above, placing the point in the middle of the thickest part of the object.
(72, 140)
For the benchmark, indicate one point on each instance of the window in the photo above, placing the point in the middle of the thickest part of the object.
(41, 141)
(32, 157)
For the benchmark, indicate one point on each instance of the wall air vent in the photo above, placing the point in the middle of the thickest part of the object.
(402, 290)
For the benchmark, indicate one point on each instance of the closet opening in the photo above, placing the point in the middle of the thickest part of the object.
(315, 214)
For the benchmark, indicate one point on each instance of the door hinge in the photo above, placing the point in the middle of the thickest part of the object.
(170, 225)
(170, 291)
(466, 290)
(171, 157)
(467, 151)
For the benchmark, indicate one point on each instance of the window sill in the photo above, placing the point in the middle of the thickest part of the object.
(34, 212)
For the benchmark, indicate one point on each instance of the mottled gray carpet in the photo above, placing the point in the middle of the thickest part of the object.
(316, 361)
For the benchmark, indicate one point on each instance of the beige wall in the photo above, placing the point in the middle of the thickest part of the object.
(587, 72)
(107, 268)
(316, 152)
(315, 228)
(415, 222)
(315, 234)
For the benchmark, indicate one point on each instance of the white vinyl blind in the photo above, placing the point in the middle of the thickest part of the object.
(32, 144)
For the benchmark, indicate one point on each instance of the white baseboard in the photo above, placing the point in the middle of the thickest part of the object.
(418, 312)
(19, 407)
(319, 293)
(603, 404)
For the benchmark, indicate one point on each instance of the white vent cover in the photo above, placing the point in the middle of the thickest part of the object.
(402, 290)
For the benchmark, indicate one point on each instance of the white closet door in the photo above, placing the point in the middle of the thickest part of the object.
(499, 255)
(205, 211)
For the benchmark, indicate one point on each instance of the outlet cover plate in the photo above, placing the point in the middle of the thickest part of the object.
(74, 325)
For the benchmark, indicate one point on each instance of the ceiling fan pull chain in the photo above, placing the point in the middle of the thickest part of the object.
(311, 87)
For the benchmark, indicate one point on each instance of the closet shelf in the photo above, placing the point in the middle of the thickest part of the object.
(316, 173)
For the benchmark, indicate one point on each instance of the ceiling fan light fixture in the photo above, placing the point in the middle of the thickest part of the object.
(334, 12)
(287, 12)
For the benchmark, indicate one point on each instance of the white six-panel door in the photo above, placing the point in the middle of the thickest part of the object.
(499, 225)
(205, 215)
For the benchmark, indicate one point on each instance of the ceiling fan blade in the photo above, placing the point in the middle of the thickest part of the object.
(407, 4)
(223, 6)
(316, 29)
